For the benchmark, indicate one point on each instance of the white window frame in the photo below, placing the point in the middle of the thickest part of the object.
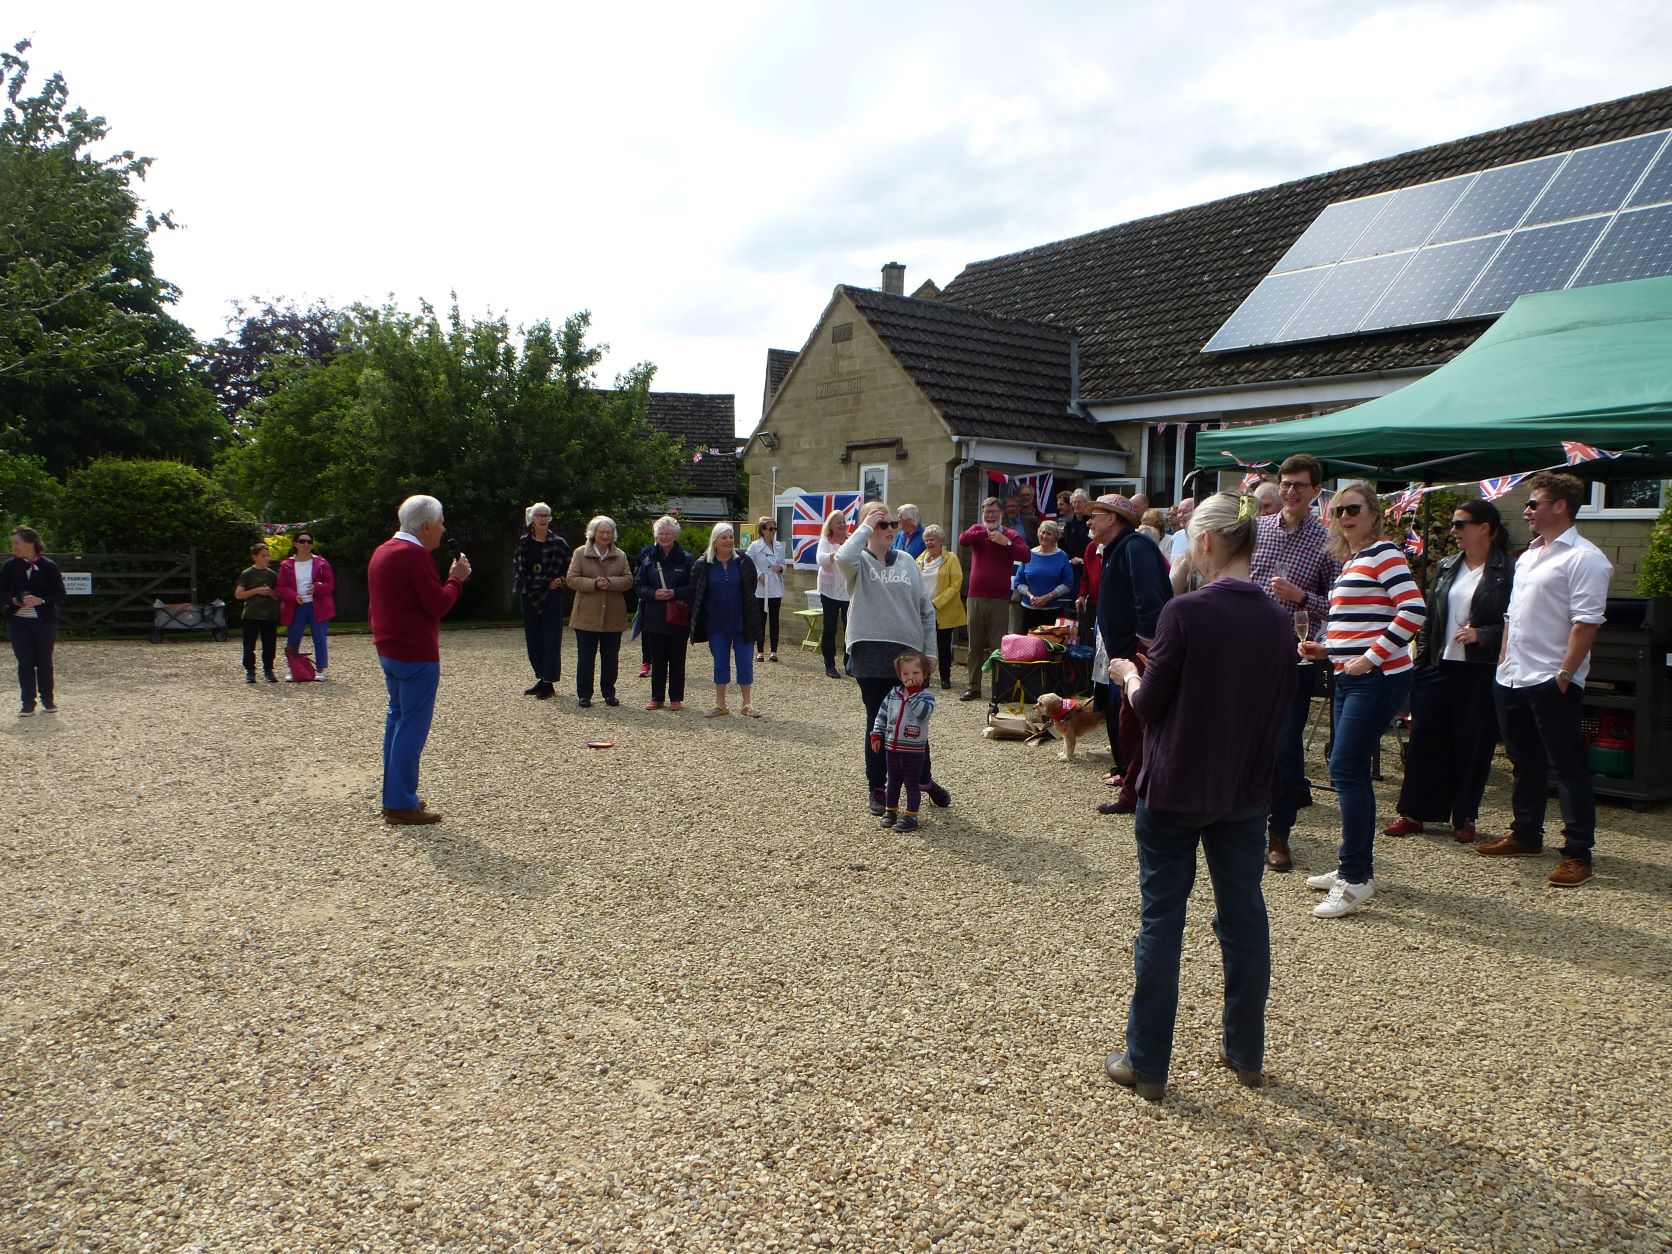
(1594, 507)
(870, 466)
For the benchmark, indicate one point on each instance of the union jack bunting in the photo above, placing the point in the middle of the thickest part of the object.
(1225, 452)
(807, 523)
(1492, 489)
(1414, 544)
(1252, 480)
(1575, 452)
(1407, 501)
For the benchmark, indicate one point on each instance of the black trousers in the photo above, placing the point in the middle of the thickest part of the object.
(543, 635)
(827, 641)
(874, 692)
(32, 641)
(1454, 730)
(667, 664)
(943, 651)
(769, 611)
(1541, 733)
(600, 649)
(268, 631)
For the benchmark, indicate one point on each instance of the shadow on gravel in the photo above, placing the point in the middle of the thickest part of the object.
(1433, 1168)
(475, 865)
(1589, 941)
(1019, 859)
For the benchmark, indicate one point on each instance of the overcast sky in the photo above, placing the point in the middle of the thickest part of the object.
(701, 176)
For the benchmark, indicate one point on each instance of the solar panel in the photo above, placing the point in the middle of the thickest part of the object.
(1429, 288)
(1595, 180)
(1657, 185)
(1344, 297)
(1540, 260)
(1331, 235)
(1410, 218)
(1637, 246)
(1497, 199)
(1399, 259)
(1260, 318)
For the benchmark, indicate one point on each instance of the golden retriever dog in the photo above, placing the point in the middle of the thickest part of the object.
(1069, 717)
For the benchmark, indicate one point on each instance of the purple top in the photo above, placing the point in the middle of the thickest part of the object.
(1219, 683)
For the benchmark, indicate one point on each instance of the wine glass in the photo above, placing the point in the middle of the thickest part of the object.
(1303, 628)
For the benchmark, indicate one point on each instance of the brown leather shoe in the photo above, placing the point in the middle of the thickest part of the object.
(1569, 873)
(1278, 857)
(970, 694)
(410, 818)
(1507, 847)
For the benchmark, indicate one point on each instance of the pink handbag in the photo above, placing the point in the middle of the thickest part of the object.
(1024, 649)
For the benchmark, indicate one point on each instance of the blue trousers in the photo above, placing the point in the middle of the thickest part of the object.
(725, 649)
(543, 635)
(1292, 789)
(1364, 706)
(412, 688)
(305, 618)
(1235, 847)
(32, 640)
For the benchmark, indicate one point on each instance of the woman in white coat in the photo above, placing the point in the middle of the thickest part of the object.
(767, 552)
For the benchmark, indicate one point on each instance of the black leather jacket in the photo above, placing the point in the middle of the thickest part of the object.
(1486, 610)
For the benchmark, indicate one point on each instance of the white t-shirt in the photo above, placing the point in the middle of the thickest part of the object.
(304, 580)
(1461, 598)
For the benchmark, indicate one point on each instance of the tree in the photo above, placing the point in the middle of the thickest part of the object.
(460, 410)
(273, 338)
(90, 361)
(1655, 577)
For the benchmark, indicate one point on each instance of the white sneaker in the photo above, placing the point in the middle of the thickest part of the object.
(1344, 898)
(1324, 882)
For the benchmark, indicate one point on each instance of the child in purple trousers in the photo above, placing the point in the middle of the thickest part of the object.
(901, 733)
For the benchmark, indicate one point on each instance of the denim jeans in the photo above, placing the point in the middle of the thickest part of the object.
(304, 617)
(412, 688)
(1364, 706)
(1291, 755)
(1235, 847)
(1541, 736)
(543, 635)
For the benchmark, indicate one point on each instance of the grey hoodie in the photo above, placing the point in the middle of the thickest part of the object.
(889, 602)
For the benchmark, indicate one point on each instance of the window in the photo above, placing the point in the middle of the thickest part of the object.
(841, 332)
(1628, 498)
(873, 482)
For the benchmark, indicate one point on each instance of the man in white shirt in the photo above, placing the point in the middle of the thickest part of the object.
(1555, 609)
(1179, 544)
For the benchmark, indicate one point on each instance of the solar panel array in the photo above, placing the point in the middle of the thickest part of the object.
(1466, 247)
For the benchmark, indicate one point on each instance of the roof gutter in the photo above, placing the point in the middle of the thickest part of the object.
(1168, 405)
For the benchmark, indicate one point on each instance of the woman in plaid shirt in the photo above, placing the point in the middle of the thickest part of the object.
(539, 564)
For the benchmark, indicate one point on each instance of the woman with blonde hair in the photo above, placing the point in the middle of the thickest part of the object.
(833, 587)
(1213, 696)
(600, 576)
(726, 613)
(943, 576)
(1375, 608)
(767, 553)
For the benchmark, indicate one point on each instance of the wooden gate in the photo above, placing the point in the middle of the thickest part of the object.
(124, 586)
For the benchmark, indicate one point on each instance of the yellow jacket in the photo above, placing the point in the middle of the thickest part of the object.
(949, 604)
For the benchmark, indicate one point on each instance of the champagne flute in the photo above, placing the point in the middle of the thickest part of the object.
(1303, 628)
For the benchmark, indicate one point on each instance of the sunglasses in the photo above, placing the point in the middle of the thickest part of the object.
(769, 528)
(885, 523)
(1457, 524)
(1349, 510)
(304, 542)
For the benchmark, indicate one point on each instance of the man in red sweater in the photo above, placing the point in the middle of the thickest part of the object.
(994, 550)
(408, 600)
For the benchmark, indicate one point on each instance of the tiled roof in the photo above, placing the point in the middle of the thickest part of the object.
(1147, 295)
(989, 376)
(778, 363)
(701, 422)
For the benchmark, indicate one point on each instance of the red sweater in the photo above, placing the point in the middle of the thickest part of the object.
(408, 600)
(991, 565)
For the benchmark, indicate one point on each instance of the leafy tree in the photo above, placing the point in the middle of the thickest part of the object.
(458, 409)
(28, 494)
(1655, 578)
(90, 361)
(270, 339)
(116, 506)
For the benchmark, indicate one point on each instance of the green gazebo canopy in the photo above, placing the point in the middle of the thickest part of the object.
(1592, 364)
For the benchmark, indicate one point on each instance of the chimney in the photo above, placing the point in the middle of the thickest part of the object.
(894, 279)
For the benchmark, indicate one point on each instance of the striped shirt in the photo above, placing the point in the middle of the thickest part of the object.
(1375, 610)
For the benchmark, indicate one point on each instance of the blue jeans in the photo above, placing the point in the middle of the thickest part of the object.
(543, 635)
(304, 617)
(725, 648)
(412, 688)
(1292, 789)
(1235, 847)
(1364, 706)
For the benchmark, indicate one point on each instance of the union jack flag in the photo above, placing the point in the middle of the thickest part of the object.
(1575, 452)
(1252, 480)
(1407, 501)
(1492, 489)
(807, 523)
(1414, 544)
(1225, 452)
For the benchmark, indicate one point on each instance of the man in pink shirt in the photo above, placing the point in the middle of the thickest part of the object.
(994, 551)
(408, 600)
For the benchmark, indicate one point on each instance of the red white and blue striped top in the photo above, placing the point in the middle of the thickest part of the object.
(1375, 610)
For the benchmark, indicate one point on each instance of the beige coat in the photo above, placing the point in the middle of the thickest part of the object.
(594, 610)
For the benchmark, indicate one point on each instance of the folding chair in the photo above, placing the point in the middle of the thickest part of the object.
(813, 619)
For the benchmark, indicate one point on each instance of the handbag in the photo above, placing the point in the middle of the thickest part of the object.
(678, 612)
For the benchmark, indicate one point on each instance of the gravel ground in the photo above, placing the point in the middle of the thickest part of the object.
(685, 994)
